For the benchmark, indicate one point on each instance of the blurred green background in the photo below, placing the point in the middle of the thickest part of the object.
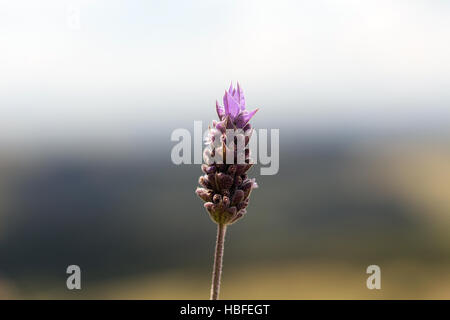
(90, 93)
(137, 230)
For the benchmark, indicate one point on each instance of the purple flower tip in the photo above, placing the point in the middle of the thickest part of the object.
(234, 107)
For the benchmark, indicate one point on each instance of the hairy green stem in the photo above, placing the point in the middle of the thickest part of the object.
(218, 257)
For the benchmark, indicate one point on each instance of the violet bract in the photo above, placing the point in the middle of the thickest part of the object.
(226, 188)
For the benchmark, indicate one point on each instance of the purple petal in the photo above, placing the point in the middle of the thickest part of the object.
(249, 114)
(222, 125)
(244, 117)
(233, 106)
(225, 103)
(241, 99)
(220, 111)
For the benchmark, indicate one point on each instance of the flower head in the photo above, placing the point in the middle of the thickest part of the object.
(234, 108)
(225, 185)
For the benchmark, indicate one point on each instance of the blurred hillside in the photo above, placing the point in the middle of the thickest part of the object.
(134, 222)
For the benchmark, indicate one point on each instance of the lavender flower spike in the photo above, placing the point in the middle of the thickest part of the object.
(225, 185)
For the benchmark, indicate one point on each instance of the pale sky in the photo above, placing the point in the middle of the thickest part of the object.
(135, 66)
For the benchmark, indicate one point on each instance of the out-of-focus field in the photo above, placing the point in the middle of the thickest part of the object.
(311, 231)
(289, 280)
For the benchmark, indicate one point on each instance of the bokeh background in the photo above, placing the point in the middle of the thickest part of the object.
(91, 91)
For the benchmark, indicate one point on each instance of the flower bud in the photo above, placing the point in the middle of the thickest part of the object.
(232, 170)
(232, 211)
(209, 206)
(204, 194)
(238, 181)
(242, 168)
(242, 205)
(238, 215)
(208, 169)
(217, 198)
(203, 180)
(226, 201)
(237, 197)
(224, 181)
(247, 187)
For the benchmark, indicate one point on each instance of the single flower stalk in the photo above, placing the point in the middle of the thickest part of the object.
(225, 185)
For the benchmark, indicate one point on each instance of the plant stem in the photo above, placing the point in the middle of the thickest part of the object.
(218, 257)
